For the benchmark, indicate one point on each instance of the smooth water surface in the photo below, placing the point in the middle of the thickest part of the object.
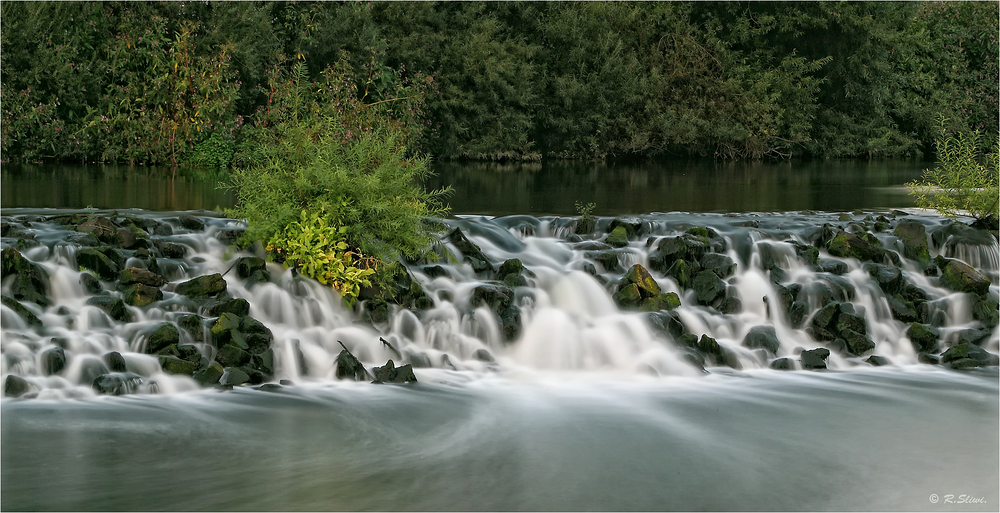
(497, 189)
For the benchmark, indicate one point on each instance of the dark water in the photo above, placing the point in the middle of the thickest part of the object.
(552, 188)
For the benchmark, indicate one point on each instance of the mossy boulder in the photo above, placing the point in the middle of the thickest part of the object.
(913, 235)
(852, 245)
(763, 337)
(471, 253)
(959, 276)
(708, 287)
(99, 263)
(146, 277)
(162, 336)
(925, 339)
(30, 282)
(232, 376)
(113, 306)
(968, 355)
(100, 227)
(252, 270)
(141, 295)
(209, 375)
(209, 285)
(814, 359)
(635, 286)
(236, 306)
(29, 318)
(720, 264)
(618, 238)
(175, 365)
(670, 249)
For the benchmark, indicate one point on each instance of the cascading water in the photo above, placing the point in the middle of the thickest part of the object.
(505, 362)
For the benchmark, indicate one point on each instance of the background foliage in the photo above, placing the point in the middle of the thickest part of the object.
(200, 82)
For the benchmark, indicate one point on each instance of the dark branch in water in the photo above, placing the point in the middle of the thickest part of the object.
(393, 349)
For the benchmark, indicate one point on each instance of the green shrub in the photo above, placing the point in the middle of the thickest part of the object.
(964, 181)
(319, 250)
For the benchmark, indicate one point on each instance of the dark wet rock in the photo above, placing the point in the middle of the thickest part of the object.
(263, 361)
(30, 282)
(832, 266)
(591, 245)
(797, 313)
(913, 235)
(175, 365)
(246, 266)
(99, 263)
(112, 306)
(707, 287)
(670, 249)
(256, 376)
(229, 236)
(968, 355)
(53, 360)
(708, 236)
(230, 355)
(957, 275)
(877, 361)
(585, 225)
(668, 323)
(814, 358)
(974, 336)
(683, 272)
(141, 295)
(389, 373)
(857, 343)
(499, 299)
(889, 278)
(209, 375)
(987, 311)
(130, 237)
(608, 259)
(349, 367)
(782, 364)
(233, 377)
(618, 238)
(114, 255)
(901, 309)
(720, 264)
(948, 236)
(91, 369)
(15, 386)
(100, 227)
(236, 306)
(90, 283)
(925, 338)
(762, 337)
(634, 226)
(434, 271)
(192, 223)
(163, 230)
(852, 245)
(730, 305)
(471, 253)
(117, 383)
(171, 249)
(29, 318)
(420, 361)
(162, 336)
(223, 328)
(194, 325)
(202, 287)
(115, 361)
(133, 275)
(483, 356)
(808, 254)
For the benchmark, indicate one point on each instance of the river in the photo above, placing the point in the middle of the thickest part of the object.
(586, 405)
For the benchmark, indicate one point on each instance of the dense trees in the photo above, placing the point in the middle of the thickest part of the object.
(173, 82)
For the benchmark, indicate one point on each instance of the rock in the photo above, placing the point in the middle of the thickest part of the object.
(139, 275)
(210, 285)
(707, 287)
(141, 295)
(117, 383)
(175, 365)
(163, 230)
(889, 279)
(349, 367)
(978, 355)
(608, 259)
(30, 282)
(112, 306)
(164, 335)
(721, 265)
(246, 266)
(850, 321)
(667, 301)
(877, 361)
(901, 309)
(115, 361)
(483, 356)
(209, 375)
(618, 238)
(99, 263)
(829, 265)
(237, 306)
(797, 312)
(857, 343)
(924, 338)
(762, 337)
(585, 225)
(90, 283)
(100, 227)
(974, 336)
(192, 223)
(913, 235)
(852, 245)
(730, 305)
(131, 237)
(950, 235)
(814, 358)
(670, 249)
(15, 386)
(53, 360)
(958, 276)
(230, 355)
(29, 318)
(782, 364)
(499, 299)
(263, 361)
(634, 226)
(233, 377)
(471, 253)
(635, 286)
(987, 311)
(391, 374)
(511, 266)
(667, 323)
(170, 249)
(683, 272)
